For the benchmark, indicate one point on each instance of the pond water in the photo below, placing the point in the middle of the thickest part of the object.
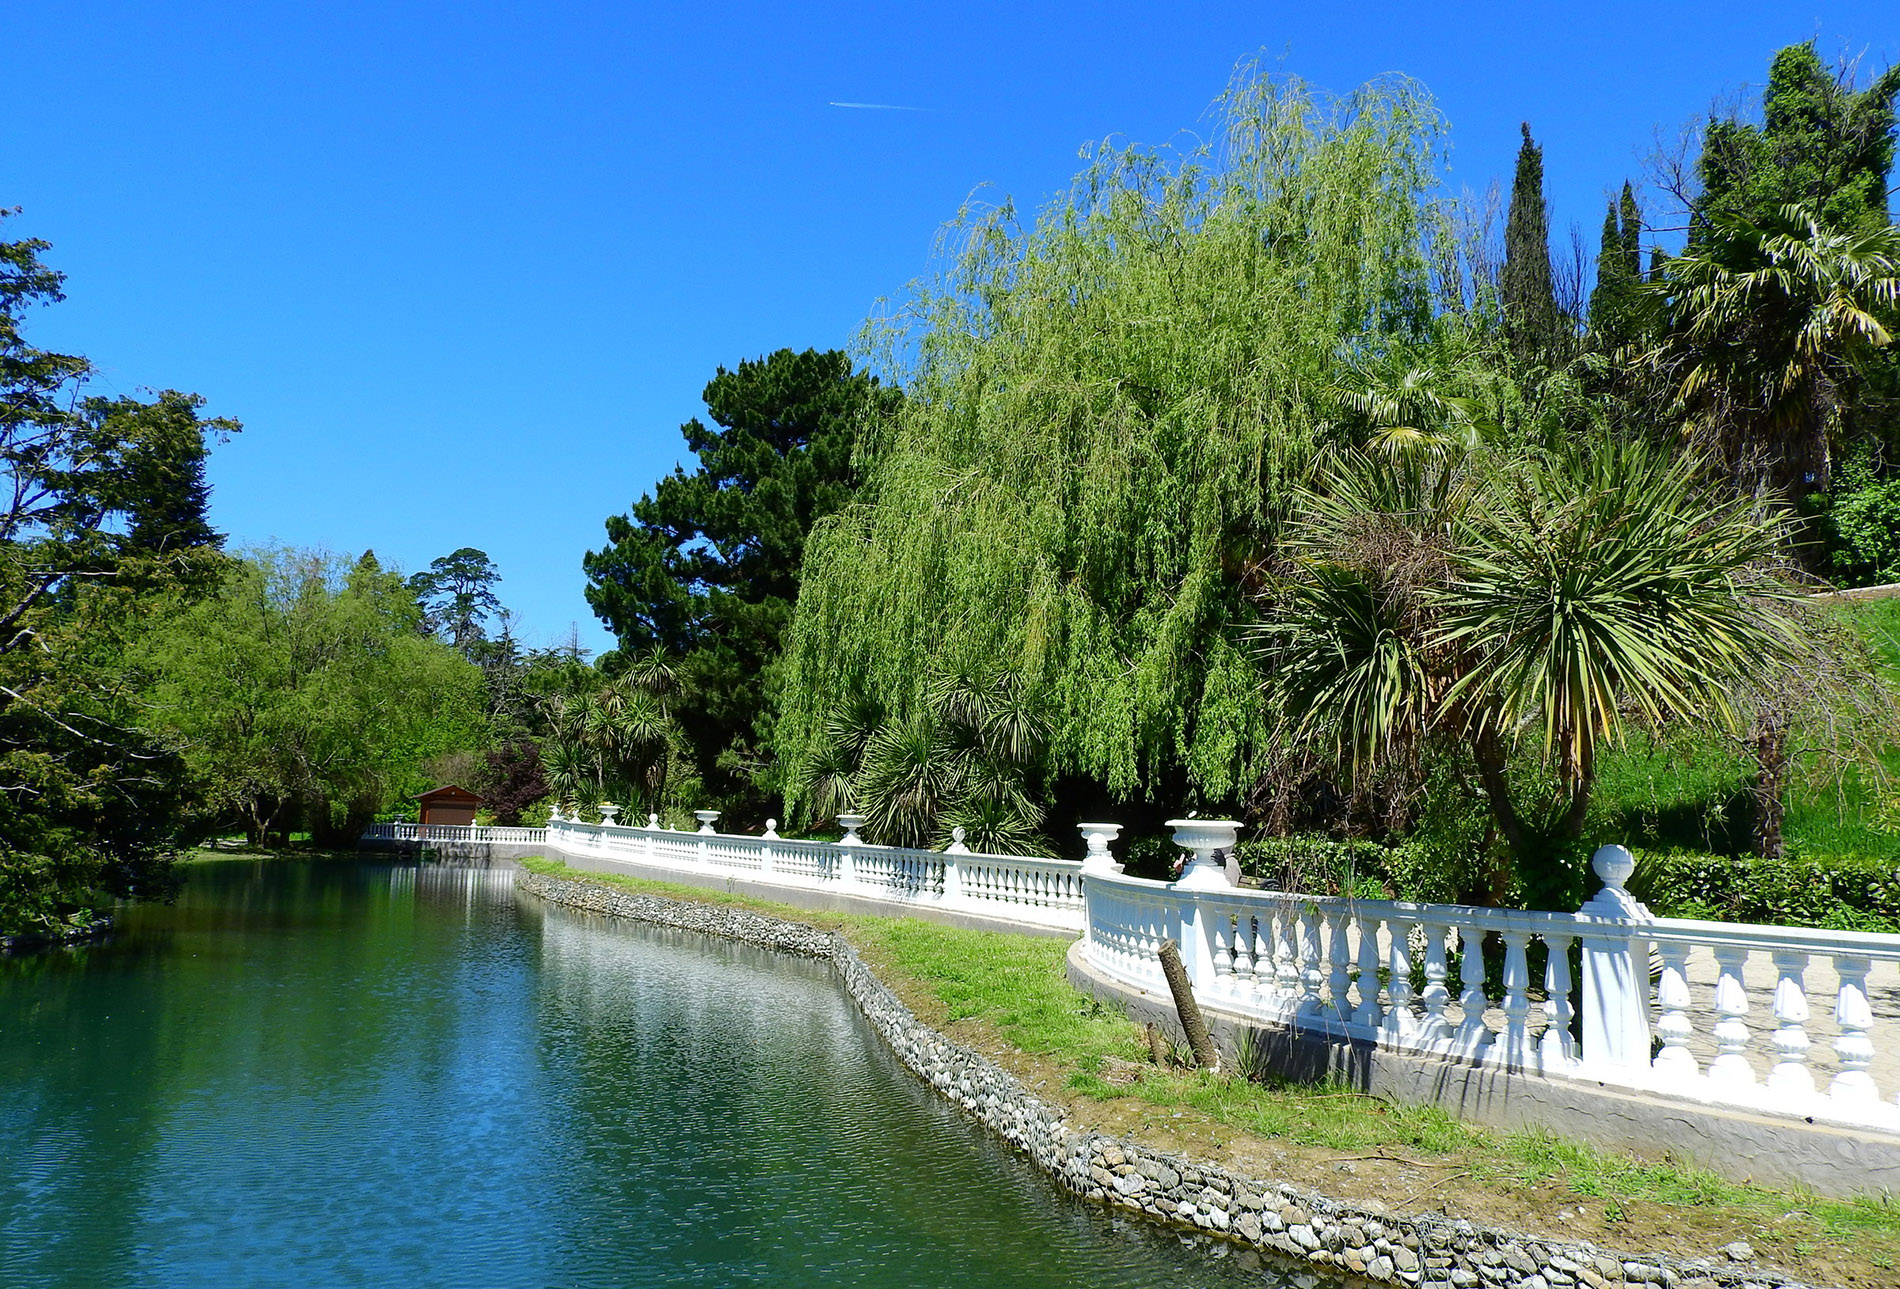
(313, 1074)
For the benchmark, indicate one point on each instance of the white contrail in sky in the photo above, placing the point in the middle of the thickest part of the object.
(879, 107)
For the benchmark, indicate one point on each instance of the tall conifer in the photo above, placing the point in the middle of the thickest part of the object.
(1530, 303)
(1632, 233)
(1619, 269)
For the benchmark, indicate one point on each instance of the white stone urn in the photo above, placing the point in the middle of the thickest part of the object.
(1098, 859)
(706, 818)
(1203, 839)
(607, 811)
(851, 824)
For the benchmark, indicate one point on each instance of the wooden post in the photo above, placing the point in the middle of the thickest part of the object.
(1205, 1054)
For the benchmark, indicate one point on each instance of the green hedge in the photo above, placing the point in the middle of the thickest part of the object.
(1320, 865)
(1839, 892)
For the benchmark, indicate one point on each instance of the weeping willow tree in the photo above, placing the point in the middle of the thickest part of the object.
(1108, 408)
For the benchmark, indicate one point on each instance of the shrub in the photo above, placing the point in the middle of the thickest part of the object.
(1838, 892)
(1864, 533)
(1318, 865)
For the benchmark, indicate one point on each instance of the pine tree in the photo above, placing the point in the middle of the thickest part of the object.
(1606, 299)
(1530, 304)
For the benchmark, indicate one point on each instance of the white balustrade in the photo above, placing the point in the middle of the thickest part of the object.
(1045, 892)
(1348, 968)
(1378, 971)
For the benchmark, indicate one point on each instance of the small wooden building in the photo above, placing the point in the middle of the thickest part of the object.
(447, 804)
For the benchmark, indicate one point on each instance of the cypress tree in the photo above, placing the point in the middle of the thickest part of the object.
(1619, 269)
(1632, 234)
(1530, 303)
(1606, 299)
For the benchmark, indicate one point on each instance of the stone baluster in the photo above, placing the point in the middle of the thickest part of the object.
(1286, 958)
(1731, 1031)
(1473, 1036)
(1221, 933)
(1243, 952)
(1263, 964)
(1398, 1026)
(1435, 1029)
(1511, 1044)
(1337, 956)
(1854, 1048)
(1311, 977)
(1790, 1074)
(1674, 1062)
(1368, 1013)
(1557, 1048)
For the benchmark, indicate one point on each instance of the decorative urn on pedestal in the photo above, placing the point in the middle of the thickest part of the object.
(1204, 840)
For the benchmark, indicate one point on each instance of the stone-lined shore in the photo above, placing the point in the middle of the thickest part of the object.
(1423, 1251)
(33, 943)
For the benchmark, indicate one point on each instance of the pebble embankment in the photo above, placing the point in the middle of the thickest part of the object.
(1422, 1251)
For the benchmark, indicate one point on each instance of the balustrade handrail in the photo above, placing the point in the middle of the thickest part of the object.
(1746, 935)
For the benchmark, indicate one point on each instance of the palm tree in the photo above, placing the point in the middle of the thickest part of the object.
(1408, 406)
(1538, 604)
(1765, 325)
(616, 740)
(962, 758)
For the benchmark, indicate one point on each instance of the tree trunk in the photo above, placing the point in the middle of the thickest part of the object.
(1769, 744)
(1189, 1010)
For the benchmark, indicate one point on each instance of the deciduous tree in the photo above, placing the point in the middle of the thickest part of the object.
(102, 527)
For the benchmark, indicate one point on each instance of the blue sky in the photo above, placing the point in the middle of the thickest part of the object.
(506, 245)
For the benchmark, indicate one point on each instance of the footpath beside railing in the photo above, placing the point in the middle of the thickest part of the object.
(1380, 972)
(1015, 888)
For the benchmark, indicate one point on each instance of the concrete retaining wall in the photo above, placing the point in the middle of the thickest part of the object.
(1302, 1227)
(1773, 1152)
(465, 854)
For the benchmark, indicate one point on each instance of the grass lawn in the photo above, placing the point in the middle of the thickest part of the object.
(1006, 995)
(1692, 792)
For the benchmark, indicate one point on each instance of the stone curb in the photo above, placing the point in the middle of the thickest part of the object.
(1420, 1252)
(34, 942)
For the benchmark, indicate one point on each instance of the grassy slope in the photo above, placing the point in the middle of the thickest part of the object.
(1007, 996)
(1690, 794)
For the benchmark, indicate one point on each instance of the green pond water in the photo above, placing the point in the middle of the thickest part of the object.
(309, 1074)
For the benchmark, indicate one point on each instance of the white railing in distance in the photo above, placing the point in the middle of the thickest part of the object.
(1016, 888)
